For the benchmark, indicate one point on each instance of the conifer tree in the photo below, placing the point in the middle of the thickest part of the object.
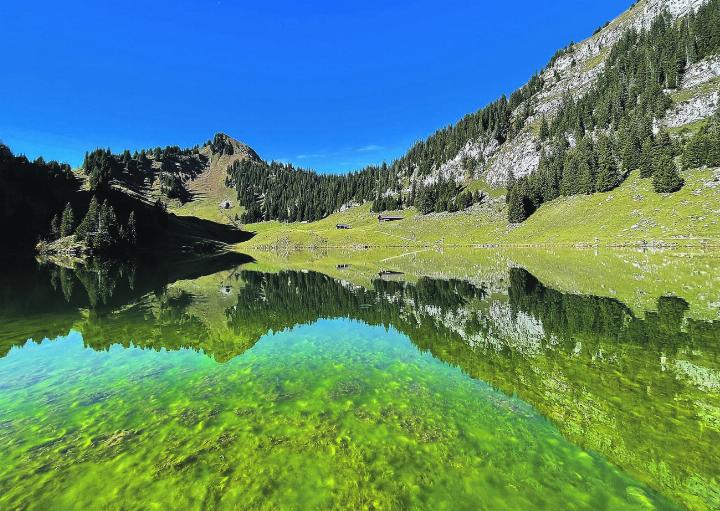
(68, 221)
(646, 158)
(89, 224)
(55, 227)
(517, 206)
(509, 185)
(608, 174)
(666, 178)
(544, 129)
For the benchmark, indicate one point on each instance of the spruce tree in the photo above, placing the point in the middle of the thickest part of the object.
(55, 227)
(544, 129)
(509, 185)
(517, 206)
(608, 174)
(68, 221)
(646, 158)
(630, 151)
(666, 178)
(89, 224)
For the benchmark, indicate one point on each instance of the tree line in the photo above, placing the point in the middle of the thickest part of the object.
(99, 228)
(30, 193)
(279, 191)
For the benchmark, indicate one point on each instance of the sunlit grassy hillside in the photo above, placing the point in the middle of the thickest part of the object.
(631, 214)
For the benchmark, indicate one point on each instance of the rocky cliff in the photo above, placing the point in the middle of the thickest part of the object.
(571, 73)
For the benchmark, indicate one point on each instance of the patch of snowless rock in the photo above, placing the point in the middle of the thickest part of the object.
(454, 169)
(701, 72)
(695, 109)
(520, 155)
(701, 105)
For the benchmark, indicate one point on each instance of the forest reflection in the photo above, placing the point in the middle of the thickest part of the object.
(642, 390)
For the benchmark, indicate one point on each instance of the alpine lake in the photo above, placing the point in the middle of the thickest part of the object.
(479, 380)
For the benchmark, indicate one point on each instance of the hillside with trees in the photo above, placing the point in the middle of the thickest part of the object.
(599, 110)
(48, 207)
(640, 96)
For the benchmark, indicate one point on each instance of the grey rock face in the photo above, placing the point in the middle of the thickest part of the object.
(573, 73)
(693, 110)
(701, 72)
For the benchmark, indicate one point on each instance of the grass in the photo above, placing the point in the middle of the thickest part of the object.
(413, 230)
(480, 184)
(208, 209)
(688, 130)
(631, 214)
(595, 61)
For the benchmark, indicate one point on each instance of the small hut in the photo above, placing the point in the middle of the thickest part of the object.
(342, 226)
(389, 218)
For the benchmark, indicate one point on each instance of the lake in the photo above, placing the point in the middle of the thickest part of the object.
(455, 380)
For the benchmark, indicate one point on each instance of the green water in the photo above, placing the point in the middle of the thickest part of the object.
(294, 390)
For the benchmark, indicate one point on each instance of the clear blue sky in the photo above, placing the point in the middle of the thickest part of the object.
(328, 85)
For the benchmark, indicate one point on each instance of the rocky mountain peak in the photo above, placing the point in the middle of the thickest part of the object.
(225, 145)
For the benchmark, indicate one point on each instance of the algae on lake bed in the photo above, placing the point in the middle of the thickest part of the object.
(333, 414)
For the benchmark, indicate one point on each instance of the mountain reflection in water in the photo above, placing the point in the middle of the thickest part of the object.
(642, 392)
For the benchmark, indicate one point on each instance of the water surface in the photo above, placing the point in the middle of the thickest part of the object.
(295, 390)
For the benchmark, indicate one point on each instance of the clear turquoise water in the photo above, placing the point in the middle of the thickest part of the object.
(297, 391)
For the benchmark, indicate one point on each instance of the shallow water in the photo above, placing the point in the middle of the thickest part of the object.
(294, 390)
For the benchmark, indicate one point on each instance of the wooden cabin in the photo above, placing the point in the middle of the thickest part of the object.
(390, 275)
(389, 218)
(342, 226)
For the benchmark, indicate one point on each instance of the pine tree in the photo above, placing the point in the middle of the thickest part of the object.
(509, 185)
(89, 224)
(630, 150)
(544, 129)
(517, 206)
(646, 158)
(663, 145)
(666, 178)
(55, 227)
(608, 174)
(68, 221)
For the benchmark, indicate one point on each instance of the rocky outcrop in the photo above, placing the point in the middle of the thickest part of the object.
(476, 151)
(520, 156)
(698, 96)
(701, 72)
(692, 110)
(572, 73)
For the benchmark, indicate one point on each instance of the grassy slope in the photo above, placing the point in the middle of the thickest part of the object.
(633, 212)
(630, 214)
(208, 208)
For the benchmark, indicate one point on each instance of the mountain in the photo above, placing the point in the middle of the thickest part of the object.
(117, 205)
(637, 96)
(633, 108)
(190, 181)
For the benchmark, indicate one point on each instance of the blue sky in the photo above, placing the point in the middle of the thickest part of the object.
(328, 85)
